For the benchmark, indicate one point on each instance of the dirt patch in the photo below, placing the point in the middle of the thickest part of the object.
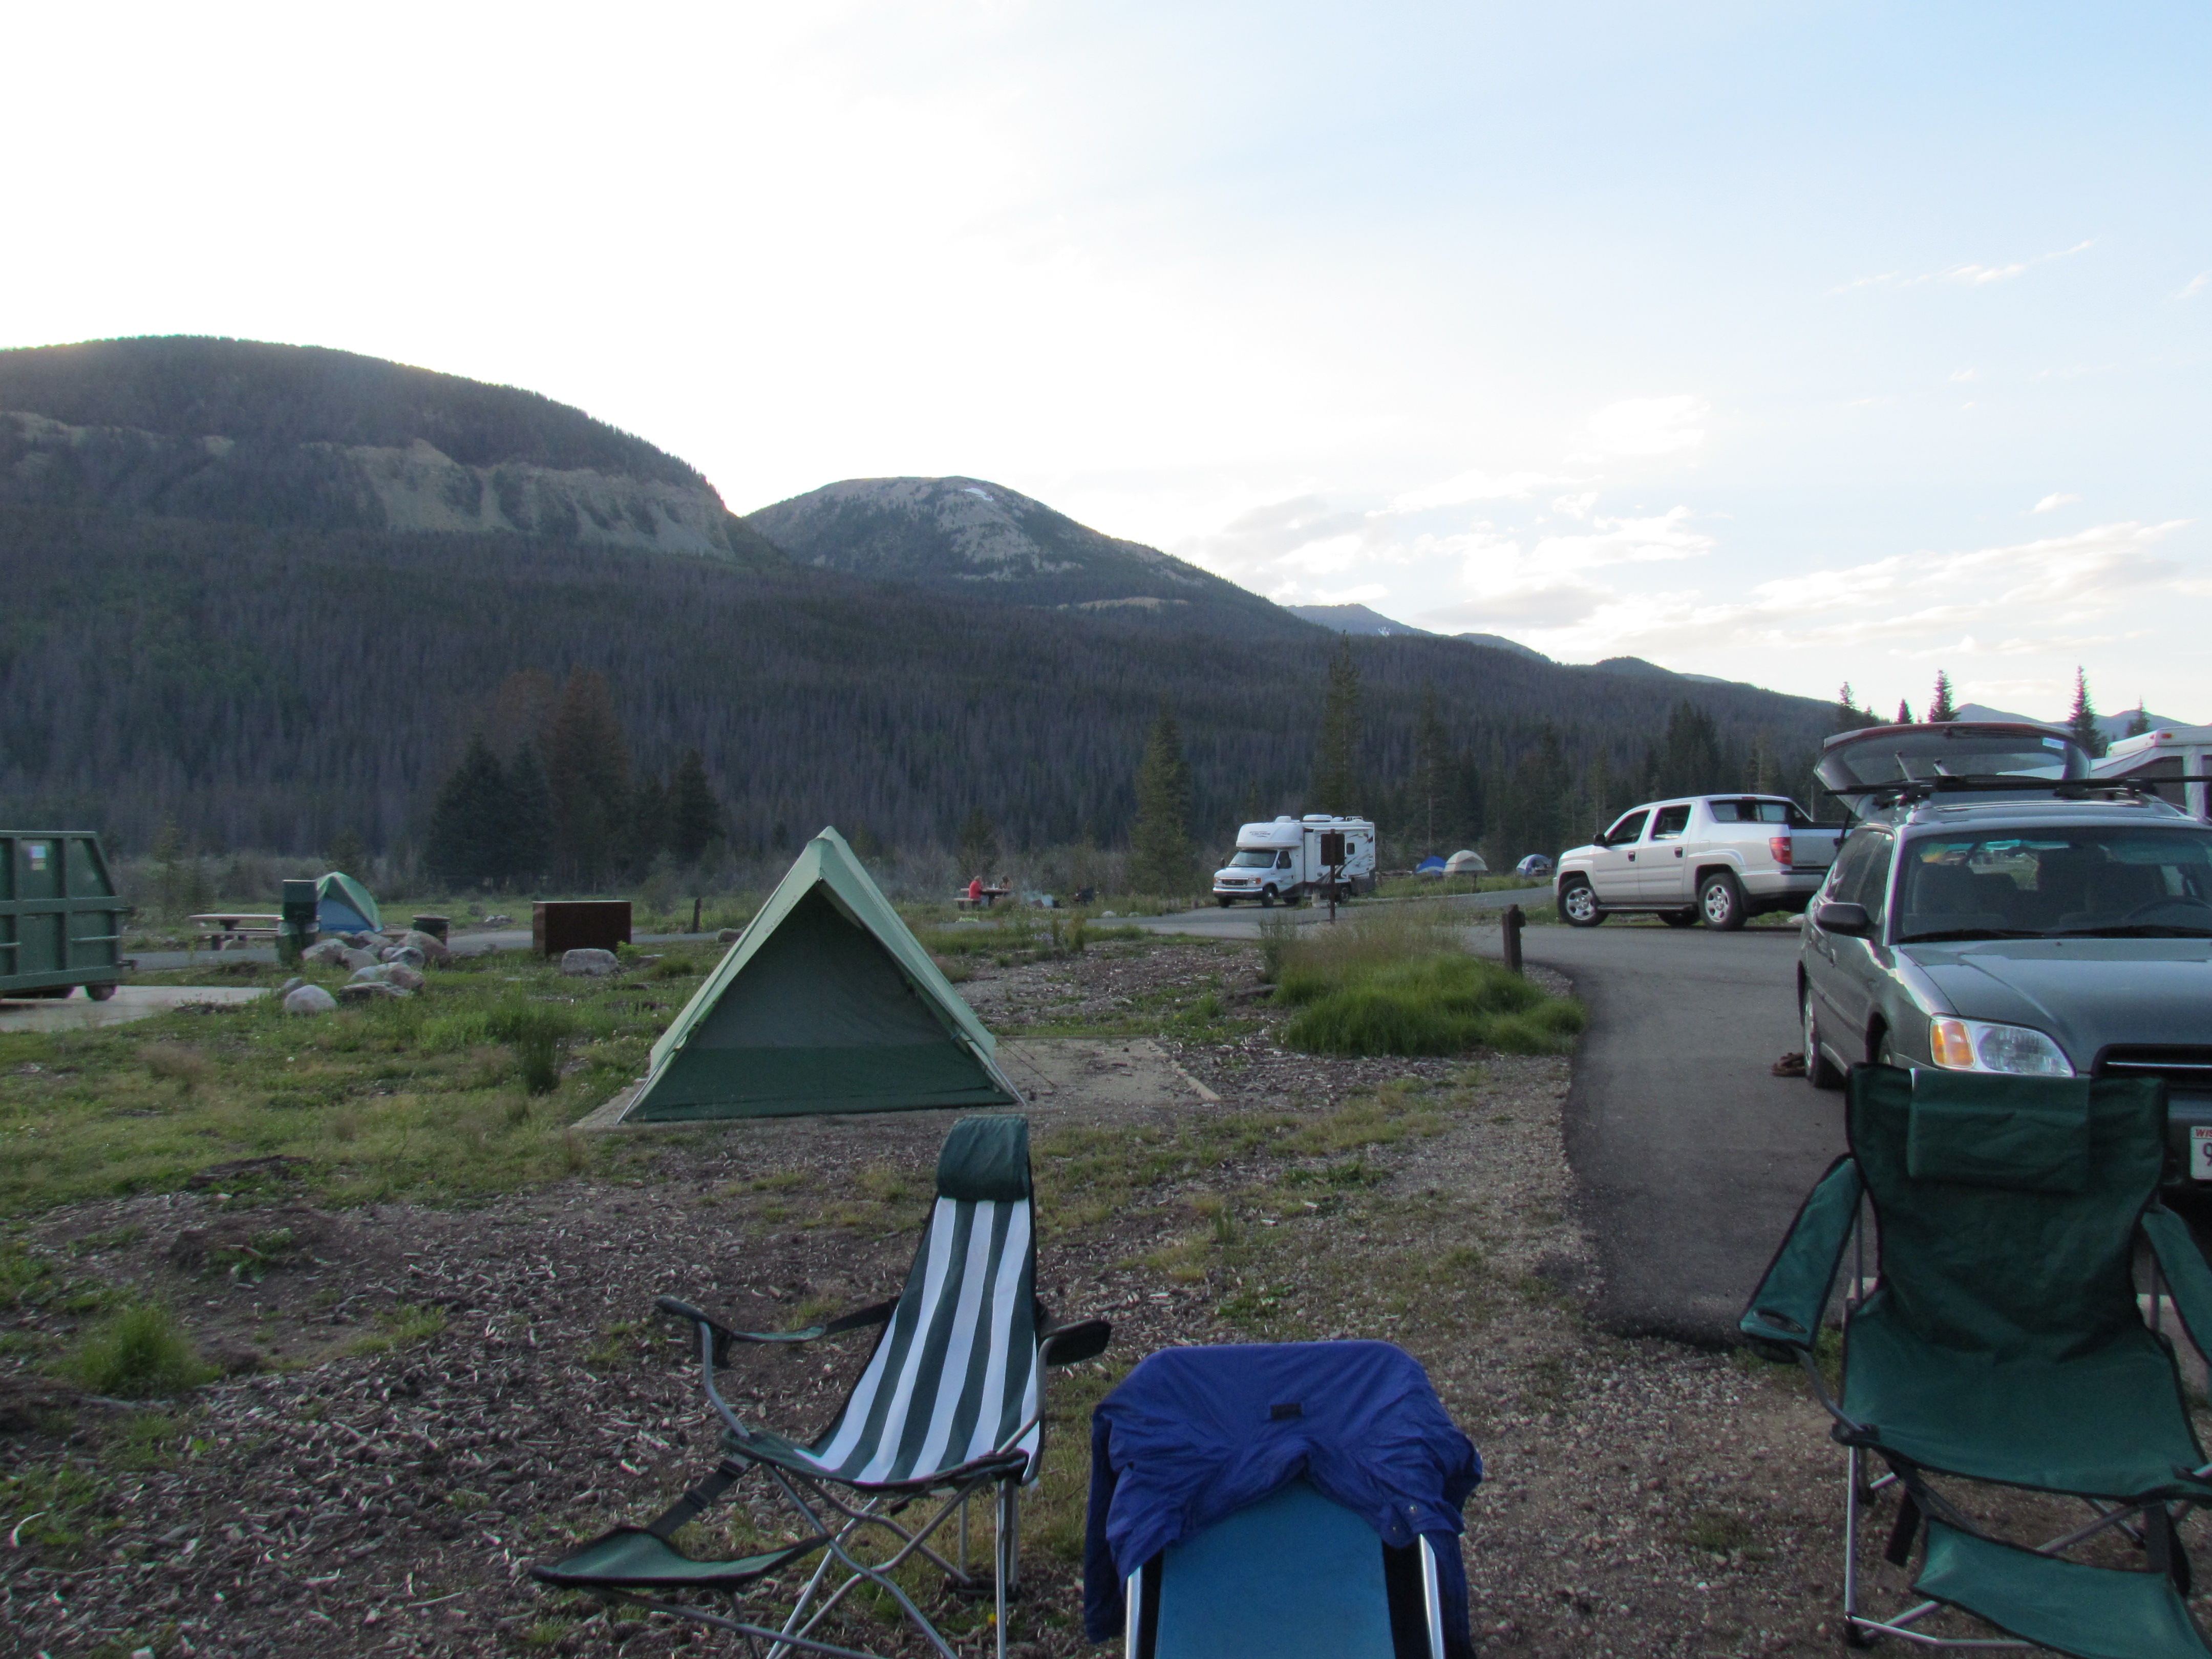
(448, 1396)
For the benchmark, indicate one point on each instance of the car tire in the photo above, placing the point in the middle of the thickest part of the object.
(1819, 1070)
(1266, 898)
(1720, 902)
(1223, 902)
(1680, 918)
(1578, 905)
(99, 993)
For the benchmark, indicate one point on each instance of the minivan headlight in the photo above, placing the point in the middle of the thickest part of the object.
(1974, 1045)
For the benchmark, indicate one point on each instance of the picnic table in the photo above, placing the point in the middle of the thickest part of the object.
(961, 902)
(223, 925)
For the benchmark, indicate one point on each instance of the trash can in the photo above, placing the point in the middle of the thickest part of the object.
(434, 926)
(60, 922)
(295, 926)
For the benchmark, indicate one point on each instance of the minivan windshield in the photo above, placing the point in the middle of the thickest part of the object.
(1253, 858)
(2118, 882)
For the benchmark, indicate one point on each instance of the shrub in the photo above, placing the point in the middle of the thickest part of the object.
(137, 1352)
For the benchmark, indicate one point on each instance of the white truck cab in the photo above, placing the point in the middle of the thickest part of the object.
(1716, 858)
(1281, 862)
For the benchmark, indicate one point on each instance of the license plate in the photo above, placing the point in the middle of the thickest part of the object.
(2200, 1152)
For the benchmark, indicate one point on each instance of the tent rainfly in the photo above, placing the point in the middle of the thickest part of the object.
(342, 906)
(826, 1003)
(1466, 863)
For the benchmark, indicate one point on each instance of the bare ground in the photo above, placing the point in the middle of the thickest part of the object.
(445, 1396)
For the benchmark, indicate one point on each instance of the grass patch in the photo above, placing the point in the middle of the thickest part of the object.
(1396, 981)
(137, 1352)
(399, 1325)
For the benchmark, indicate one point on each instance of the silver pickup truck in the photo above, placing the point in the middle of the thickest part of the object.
(1721, 860)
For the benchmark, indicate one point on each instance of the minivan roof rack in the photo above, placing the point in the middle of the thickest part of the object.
(1901, 793)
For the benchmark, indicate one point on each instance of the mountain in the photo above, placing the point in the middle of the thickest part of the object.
(983, 541)
(2114, 727)
(1499, 642)
(244, 431)
(1355, 619)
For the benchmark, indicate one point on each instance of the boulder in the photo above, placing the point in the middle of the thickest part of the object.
(404, 953)
(326, 953)
(389, 973)
(368, 990)
(727, 936)
(433, 948)
(288, 986)
(595, 964)
(309, 999)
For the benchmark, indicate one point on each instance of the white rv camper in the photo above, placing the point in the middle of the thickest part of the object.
(1281, 862)
(2170, 752)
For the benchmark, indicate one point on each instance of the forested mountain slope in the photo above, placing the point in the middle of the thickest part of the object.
(244, 431)
(983, 541)
(272, 686)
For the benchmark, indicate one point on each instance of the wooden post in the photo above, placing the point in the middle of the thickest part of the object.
(696, 904)
(1514, 920)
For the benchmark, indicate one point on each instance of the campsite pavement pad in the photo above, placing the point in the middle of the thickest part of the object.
(452, 1393)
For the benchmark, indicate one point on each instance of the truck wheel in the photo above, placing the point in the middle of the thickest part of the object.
(1720, 901)
(1820, 1072)
(99, 993)
(1680, 918)
(1579, 905)
(1223, 902)
(1266, 898)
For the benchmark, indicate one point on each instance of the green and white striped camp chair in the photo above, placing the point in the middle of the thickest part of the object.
(951, 1404)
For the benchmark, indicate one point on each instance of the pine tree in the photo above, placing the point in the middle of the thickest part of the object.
(1336, 759)
(1471, 802)
(2138, 723)
(694, 816)
(587, 766)
(527, 823)
(1904, 712)
(648, 822)
(979, 844)
(1849, 716)
(1690, 762)
(1940, 706)
(1160, 857)
(467, 836)
(1432, 775)
(2081, 718)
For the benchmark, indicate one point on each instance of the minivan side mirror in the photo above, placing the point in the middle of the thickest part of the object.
(1837, 916)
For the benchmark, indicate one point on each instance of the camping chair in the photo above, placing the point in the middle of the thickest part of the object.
(951, 1404)
(2002, 1342)
(1300, 1500)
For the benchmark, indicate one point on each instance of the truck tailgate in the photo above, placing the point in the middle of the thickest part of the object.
(1806, 849)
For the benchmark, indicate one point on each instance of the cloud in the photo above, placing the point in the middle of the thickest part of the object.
(2195, 286)
(1649, 426)
(1539, 609)
(1474, 485)
(1971, 275)
(2052, 503)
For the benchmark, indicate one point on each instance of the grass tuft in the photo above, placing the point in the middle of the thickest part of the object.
(137, 1352)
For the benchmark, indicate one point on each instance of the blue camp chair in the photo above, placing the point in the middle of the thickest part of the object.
(951, 1405)
(2002, 1343)
(1296, 1500)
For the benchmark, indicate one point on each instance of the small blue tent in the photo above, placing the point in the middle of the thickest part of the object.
(342, 906)
(1431, 866)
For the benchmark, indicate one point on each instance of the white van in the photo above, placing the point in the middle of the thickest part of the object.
(1281, 862)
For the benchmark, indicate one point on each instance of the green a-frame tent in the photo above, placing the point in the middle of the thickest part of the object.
(826, 1003)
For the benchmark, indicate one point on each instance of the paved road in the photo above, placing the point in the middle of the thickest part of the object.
(1692, 1157)
(1243, 920)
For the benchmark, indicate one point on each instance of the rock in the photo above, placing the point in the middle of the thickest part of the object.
(326, 953)
(389, 973)
(405, 954)
(309, 1000)
(288, 986)
(595, 964)
(727, 936)
(371, 990)
(433, 948)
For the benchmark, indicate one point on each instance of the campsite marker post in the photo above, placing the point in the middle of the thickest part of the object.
(1332, 854)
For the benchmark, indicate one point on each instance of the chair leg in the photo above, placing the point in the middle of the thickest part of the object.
(1009, 1550)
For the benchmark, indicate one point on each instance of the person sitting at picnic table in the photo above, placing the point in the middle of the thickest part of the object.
(974, 889)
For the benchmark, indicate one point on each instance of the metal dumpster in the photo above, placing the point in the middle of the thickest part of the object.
(559, 925)
(60, 923)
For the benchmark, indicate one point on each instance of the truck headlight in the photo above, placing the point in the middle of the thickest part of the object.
(1974, 1045)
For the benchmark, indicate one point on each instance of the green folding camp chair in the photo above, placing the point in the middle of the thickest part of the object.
(2001, 1341)
(949, 1405)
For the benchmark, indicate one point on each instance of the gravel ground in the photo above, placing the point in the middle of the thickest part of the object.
(443, 1397)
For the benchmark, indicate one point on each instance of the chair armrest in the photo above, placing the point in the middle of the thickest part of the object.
(876, 1314)
(2182, 1265)
(1070, 1345)
(1783, 1318)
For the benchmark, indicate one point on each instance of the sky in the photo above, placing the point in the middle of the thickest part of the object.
(1795, 343)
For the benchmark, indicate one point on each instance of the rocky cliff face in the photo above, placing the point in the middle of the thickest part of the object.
(48, 463)
(972, 536)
